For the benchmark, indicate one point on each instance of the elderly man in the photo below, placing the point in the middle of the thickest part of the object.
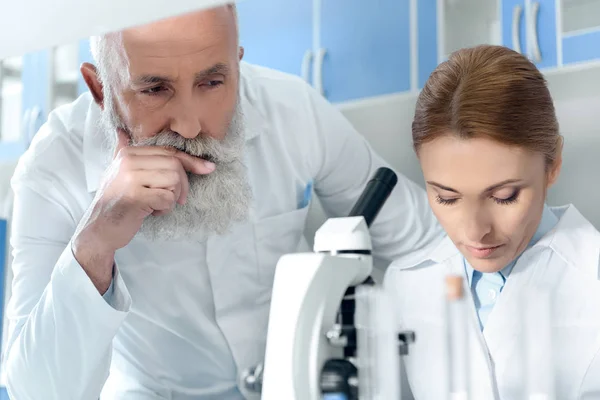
(151, 212)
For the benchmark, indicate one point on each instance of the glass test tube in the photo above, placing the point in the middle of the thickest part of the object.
(457, 339)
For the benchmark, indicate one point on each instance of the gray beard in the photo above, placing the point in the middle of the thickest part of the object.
(216, 201)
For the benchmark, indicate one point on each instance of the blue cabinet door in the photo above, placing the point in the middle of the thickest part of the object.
(581, 47)
(540, 17)
(513, 18)
(368, 48)
(35, 78)
(427, 31)
(544, 23)
(276, 34)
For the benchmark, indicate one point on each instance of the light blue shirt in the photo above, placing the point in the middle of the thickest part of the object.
(486, 287)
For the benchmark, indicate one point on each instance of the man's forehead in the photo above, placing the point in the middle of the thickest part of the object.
(179, 36)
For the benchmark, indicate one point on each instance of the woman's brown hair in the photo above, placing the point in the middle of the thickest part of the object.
(488, 92)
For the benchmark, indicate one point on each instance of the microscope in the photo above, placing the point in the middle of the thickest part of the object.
(313, 334)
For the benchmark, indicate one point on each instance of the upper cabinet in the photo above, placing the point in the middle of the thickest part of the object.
(364, 49)
(553, 34)
(353, 49)
(348, 49)
(278, 34)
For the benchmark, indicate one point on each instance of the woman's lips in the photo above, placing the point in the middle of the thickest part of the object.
(482, 252)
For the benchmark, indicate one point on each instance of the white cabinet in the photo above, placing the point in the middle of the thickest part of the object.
(445, 26)
(467, 23)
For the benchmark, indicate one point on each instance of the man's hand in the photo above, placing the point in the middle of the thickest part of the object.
(140, 181)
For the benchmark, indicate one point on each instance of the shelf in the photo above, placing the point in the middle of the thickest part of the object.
(10, 72)
(468, 23)
(580, 16)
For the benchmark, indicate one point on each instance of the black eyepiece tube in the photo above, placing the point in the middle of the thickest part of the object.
(375, 195)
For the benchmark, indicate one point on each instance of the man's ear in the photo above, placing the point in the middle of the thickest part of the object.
(241, 52)
(92, 80)
(554, 171)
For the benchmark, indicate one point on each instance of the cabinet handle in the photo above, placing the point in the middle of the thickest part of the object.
(536, 55)
(516, 28)
(319, 71)
(305, 69)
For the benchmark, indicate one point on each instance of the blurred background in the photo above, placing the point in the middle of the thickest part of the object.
(370, 58)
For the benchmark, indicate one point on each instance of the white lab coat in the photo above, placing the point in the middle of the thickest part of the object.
(564, 262)
(188, 315)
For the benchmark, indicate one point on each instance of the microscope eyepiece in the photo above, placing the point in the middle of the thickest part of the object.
(375, 195)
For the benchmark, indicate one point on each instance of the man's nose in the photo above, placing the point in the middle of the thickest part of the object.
(186, 121)
(477, 225)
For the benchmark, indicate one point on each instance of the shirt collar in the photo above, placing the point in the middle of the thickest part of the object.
(548, 221)
(96, 155)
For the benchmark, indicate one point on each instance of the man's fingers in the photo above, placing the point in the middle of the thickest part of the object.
(195, 165)
(123, 140)
(161, 201)
(190, 163)
(149, 165)
(163, 179)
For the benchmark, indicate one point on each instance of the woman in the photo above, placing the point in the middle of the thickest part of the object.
(486, 135)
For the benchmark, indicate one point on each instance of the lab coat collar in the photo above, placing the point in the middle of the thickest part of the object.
(548, 221)
(575, 240)
(95, 152)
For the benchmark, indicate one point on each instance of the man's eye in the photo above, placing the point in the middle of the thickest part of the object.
(154, 90)
(212, 84)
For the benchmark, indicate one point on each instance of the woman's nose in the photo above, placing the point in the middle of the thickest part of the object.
(477, 225)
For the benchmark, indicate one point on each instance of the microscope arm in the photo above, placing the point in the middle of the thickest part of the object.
(306, 297)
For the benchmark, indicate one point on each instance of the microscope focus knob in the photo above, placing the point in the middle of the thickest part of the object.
(404, 340)
(339, 380)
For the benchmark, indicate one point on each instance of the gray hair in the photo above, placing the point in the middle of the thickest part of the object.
(110, 59)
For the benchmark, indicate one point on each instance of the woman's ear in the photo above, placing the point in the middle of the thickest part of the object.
(92, 80)
(554, 171)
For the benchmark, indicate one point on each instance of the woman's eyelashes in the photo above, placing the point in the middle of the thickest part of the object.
(444, 201)
(512, 198)
(508, 200)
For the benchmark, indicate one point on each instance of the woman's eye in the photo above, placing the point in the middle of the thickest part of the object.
(444, 201)
(508, 200)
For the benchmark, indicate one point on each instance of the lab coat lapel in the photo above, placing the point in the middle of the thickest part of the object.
(572, 243)
(503, 327)
(483, 385)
